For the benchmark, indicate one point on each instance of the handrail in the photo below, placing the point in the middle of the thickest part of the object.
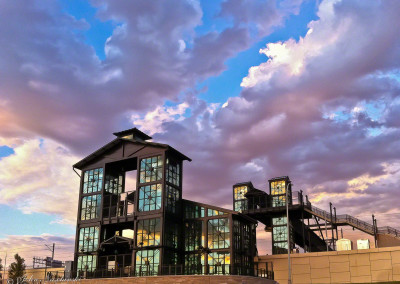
(355, 222)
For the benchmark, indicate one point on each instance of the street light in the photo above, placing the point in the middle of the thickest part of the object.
(288, 232)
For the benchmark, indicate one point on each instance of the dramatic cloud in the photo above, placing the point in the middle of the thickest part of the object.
(38, 178)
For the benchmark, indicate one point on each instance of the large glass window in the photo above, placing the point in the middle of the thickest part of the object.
(194, 238)
(280, 233)
(194, 211)
(91, 207)
(218, 233)
(219, 262)
(278, 187)
(213, 212)
(147, 262)
(93, 180)
(114, 183)
(148, 232)
(278, 201)
(194, 264)
(88, 239)
(241, 202)
(87, 262)
(150, 197)
(173, 172)
(279, 221)
(151, 169)
(171, 199)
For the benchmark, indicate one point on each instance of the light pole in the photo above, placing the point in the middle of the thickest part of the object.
(288, 233)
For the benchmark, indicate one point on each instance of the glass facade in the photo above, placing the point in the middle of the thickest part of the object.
(148, 232)
(194, 237)
(240, 200)
(213, 212)
(147, 262)
(194, 211)
(219, 262)
(93, 181)
(171, 199)
(278, 187)
(150, 197)
(88, 239)
(194, 264)
(173, 172)
(218, 233)
(91, 207)
(151, 169)
(87, 263)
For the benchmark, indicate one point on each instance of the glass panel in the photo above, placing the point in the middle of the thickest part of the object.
(218, 233)
(171, 234)
(88, 239)
(239, 192)
(194, 239)
(213, 212)
(194, 264)
(278, 201)
(114, 183)
(279, 233)
(278, 187)
(91, 207)
(147, 262)
(171, 199)
(92, 181)
(150, 197)
(219, 262)
(148, 232)
(87, 263)
(279, 221)
(151, 169)
(193, 211)
(173, 172)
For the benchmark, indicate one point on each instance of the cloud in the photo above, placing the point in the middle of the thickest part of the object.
(28, 246)
(38, 178)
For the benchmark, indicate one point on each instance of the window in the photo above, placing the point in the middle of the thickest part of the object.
(194, 264)
(87, 262)
(278, 187)
(88, 239)
(218, 233)
(213, 212)
(278, 201)
(171, 199)
(240, 199)
(173, 172)
(114, 183)
(93, 180)
(194, 238)
(194, 211)
(148, 232)
(280, 233)
(91, 207)
(151, 169)
(150, 197)
(171, 234)
(279, 221)
(219, 262)
(147, 262)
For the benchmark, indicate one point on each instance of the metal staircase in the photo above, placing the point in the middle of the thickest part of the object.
(344, 219)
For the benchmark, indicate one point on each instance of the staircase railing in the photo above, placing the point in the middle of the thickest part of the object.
(355, 222)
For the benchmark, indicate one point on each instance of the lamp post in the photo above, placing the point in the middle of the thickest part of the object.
(288, 233)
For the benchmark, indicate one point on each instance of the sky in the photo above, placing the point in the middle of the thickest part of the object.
(248, 89)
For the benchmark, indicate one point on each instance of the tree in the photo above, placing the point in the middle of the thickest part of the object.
(1, 269)
(17, 268)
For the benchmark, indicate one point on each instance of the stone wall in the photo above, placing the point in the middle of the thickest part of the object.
(355, 266)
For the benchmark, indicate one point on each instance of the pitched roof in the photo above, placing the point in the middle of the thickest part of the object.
(79, 165)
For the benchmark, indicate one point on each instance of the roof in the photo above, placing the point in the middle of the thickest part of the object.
(136, 133)
(79, 165)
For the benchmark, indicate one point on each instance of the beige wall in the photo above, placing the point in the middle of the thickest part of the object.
(356, 266)
(39, 273)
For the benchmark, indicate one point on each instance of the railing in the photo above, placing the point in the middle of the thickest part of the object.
(154, 270)
(355, 222)
(118, 205)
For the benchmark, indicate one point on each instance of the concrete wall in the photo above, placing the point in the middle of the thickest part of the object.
(355, 266)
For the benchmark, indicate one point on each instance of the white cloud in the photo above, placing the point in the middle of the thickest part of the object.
(38, 177)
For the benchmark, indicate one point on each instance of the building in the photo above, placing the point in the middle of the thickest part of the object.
(150, 229)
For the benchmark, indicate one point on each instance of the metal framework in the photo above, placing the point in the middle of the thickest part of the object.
(150, 229)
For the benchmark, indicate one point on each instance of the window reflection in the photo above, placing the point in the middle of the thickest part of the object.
(150, 197)
(151, 169)
(148, 232)
(92, 181)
